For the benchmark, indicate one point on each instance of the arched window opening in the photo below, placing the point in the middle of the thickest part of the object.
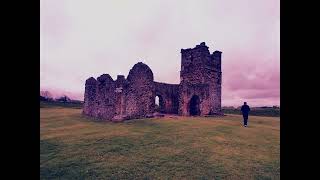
(159, 104)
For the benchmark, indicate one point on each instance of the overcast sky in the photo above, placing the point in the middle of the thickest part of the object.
(82, 38)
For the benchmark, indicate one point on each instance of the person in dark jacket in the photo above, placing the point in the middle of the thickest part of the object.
(245, 113)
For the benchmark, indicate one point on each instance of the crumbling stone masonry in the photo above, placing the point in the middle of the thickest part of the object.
(198, 94)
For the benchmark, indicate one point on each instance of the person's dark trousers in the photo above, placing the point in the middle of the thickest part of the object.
(245, 120)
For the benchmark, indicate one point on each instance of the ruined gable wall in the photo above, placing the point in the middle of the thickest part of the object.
(170, 95)
(99, 100)
(90, 96)
(140, 92)
(105, 99)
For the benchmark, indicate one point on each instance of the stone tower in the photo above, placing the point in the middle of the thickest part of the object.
(200, 81)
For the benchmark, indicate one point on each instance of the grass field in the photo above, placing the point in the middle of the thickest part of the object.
(256, 111)
(54, 104)
(75, 147)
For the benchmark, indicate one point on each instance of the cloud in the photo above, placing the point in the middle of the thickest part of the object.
(80, 39)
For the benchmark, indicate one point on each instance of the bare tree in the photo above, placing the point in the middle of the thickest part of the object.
(63, 98)
(46, 95)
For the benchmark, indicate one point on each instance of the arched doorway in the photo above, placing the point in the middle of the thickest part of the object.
(159, 104)
(194, 106)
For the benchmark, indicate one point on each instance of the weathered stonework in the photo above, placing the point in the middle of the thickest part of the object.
(199, 91)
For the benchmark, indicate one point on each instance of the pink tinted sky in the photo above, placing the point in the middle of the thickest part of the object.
(81, 38)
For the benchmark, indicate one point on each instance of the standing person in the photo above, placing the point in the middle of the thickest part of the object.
(245, 113)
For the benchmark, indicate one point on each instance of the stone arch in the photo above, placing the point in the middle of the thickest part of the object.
(194, 106)
(162, 103)
(170, 96)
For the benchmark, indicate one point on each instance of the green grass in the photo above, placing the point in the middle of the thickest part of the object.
(54, 104)
(75, 147)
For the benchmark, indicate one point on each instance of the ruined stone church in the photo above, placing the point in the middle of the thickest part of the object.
(198, 94)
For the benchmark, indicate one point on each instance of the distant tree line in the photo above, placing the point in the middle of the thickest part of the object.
(258, 107)
(256, 111)
(47, 96)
